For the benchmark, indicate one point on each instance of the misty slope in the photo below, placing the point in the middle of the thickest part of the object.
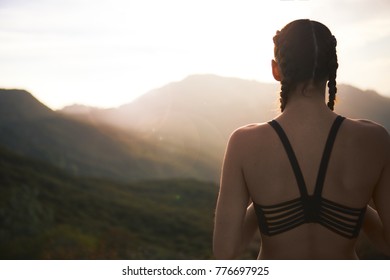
(198, 113)
(30, 128)
(201, 111)
(358, 104)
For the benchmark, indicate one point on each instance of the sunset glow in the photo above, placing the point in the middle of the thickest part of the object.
(106, 53)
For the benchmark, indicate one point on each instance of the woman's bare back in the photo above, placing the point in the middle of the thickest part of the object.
(354, 169)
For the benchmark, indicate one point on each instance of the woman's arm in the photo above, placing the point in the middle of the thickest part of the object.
(377, 222)
(250, 227)
(234, 220)
(374, 230)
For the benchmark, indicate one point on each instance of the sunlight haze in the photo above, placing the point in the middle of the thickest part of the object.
(107, 53)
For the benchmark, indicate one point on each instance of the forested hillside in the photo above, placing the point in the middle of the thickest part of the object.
(48, 214)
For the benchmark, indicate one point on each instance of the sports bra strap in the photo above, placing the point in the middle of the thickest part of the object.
(291, 156)
(324, 161)
(326, 155)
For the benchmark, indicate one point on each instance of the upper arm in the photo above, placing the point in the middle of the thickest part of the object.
(382, 191)
(232, 201)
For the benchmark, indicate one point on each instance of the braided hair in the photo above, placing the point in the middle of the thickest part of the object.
(306, 51)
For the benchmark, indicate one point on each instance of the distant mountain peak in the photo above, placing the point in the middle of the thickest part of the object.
(78, 109)
(18, 104)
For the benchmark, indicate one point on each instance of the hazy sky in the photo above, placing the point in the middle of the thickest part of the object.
(106, 53)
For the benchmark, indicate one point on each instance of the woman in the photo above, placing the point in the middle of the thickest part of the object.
(306, 178)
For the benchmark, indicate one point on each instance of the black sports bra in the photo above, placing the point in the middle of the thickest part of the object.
(281, 217)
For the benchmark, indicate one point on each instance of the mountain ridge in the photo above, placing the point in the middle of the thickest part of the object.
(268, 94)
(178, 130)
(20, 104)
(201, 111)
(200, 78)
(85, 148)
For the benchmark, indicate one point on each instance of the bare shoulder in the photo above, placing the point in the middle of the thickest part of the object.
(244, 140)
(249, 132)
(368, 133)
(368, 128)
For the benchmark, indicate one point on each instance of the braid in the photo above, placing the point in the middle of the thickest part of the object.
(283, 95)
(283, 56)
(333, 65)
(287, 85)
(332, 90)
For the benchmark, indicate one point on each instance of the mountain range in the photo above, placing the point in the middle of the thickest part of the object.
(88, 149)
(200, 112)
(176, 131)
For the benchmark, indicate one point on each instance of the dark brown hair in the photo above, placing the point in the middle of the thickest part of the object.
(306, 51)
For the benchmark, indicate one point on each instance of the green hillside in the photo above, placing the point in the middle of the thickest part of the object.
(47, 214)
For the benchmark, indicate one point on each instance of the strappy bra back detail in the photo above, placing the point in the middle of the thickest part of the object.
(281, 217)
